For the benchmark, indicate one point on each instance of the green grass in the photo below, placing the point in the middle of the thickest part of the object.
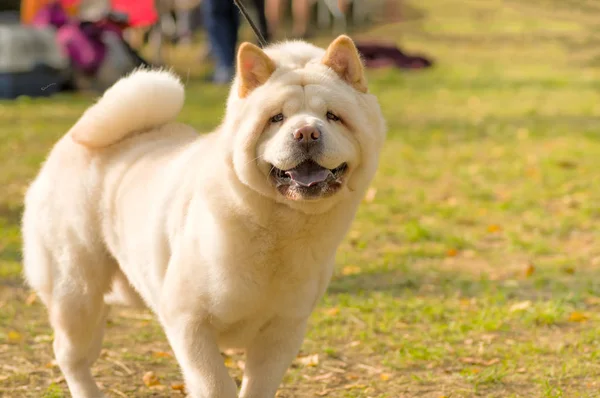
(473, 271)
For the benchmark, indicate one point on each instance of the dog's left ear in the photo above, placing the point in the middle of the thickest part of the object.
(343, 57)
(254, 68)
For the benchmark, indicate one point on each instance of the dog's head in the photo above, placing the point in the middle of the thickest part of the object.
(305, 130)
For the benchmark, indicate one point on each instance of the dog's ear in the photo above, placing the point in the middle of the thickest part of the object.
(254, 68)
(343, 57)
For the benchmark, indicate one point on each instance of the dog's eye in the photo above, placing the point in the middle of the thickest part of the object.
(331, 116)
(277, 118)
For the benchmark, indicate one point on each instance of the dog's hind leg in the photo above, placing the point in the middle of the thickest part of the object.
(77, 314)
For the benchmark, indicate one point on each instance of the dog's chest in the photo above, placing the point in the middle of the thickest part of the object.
(279, 284)
(263, 275)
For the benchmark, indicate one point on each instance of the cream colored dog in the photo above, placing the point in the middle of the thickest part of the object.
(228, 237)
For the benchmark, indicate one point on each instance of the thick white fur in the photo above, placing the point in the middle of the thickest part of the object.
(192, 225)
(142, 100)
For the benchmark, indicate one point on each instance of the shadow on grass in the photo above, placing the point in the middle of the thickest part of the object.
(11, 215)
(10, 249)
(11, 255)
(465, 131)
(441, 283)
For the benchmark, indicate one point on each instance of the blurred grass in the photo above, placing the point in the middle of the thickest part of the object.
(472, 271)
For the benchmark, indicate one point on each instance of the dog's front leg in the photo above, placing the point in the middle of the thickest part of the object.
(196, 350)
(269, 355)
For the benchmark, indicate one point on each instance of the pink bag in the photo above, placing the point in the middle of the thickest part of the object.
(83, 46)
(81, 42)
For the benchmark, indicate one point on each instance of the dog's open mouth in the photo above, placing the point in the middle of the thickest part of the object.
(308, 174)
(308, 180)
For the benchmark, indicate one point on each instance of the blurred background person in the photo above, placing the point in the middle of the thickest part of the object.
(263, 24)
(221, 21)
(30, 8)
(300, 16)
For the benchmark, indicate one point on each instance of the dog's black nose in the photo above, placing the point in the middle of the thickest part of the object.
(307, 135)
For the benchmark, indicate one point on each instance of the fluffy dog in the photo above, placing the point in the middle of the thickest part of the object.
(230, 237)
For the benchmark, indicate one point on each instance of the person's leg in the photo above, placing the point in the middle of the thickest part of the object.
(301, 16)
(273, 13)
(344, 6)
(183, 22)
(221, 21)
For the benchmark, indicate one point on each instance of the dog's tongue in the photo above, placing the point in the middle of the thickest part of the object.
(308, 174)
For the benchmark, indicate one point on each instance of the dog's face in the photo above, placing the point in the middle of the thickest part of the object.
(306, 132)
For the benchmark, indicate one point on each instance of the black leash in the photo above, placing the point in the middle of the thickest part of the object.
(259, 36)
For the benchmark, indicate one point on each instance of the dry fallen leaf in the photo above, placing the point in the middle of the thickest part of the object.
(178, 387)
(323, 376)
(577, 316)
(521, 370)
(14, 337)
(119, 393)
(532, 171)
(592, 300)
(370, 195)
(230, 363)
(479, 361)
(452, 252)
(309, 360)
(355, 387)
(520, 306)
(493, 228)
(566, 164)
(161, 354)
(569, 270)
(384, 377)
(43, 338)
(332, 311)
(522, 133)
(351, 270)
(151, 379)
(466, 302)
(529, 270)
(233, 351)
(31, 299)
(369, 368)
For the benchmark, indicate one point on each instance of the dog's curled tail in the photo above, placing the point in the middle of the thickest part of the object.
(140, 101)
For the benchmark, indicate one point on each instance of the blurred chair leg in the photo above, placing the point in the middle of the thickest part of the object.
(323, 14)
(184, 26)
(339, 18)
(360, 11)
(155, 42)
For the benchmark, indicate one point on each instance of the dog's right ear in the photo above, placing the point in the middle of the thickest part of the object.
(343, 57)
(254, 68)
